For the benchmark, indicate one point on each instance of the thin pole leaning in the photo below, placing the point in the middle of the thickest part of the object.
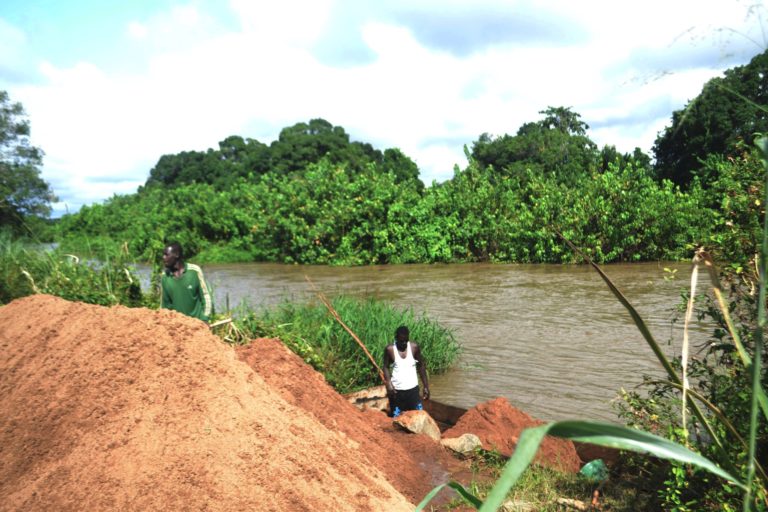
(335, 315)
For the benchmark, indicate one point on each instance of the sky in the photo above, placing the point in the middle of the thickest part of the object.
(109, 87)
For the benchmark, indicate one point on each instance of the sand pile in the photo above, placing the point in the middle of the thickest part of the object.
(413, 463)
(498, 425)
(132, 409)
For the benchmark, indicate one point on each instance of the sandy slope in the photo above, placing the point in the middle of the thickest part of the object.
(132, 409)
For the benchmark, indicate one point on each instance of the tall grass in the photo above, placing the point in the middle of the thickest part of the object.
(311, 331)
(26, 269)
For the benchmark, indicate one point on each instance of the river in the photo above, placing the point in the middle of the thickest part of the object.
(550, 338)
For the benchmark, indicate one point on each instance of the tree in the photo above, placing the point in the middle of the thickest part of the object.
(306, 143)
(405, 170)
(236, 158)
(609, 155)
(239, 159)
(182, 168)
(726, 112)
(247, 158)
(563, 120)
(557, 145)
(23, 193)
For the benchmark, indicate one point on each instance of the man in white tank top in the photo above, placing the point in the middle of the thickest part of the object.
(402, 382)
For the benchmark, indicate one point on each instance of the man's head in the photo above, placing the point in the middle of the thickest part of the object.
(401, 334)
(172, 255)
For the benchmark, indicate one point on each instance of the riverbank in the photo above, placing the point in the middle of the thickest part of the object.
(518, 325)
(134, 409)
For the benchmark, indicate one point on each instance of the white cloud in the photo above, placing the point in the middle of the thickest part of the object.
(179, 28)
(185, 15)
(137, 30)
(200, 83)
(292, 22)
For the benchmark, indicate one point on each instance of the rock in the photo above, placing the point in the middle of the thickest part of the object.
(419, 422)
(466, 444)
(517, 506)
(574, 504)
(374, 398)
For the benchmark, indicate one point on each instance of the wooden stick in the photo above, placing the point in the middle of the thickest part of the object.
(220, 322)
(335, 315)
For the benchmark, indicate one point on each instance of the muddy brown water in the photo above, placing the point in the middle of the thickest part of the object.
(552, 339)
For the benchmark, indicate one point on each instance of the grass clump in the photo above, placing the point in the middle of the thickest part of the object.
(26, 269)
(310, 331)
(545, 489)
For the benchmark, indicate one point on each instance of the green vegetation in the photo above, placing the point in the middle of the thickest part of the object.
(25, 269)
(726, 114)
(311, 332)
(716, 431)
(24, 197)
(540, 488)
(327, 215)
(557, 146)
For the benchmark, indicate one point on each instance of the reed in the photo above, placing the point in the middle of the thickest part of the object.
(313, 333)
(26, 269)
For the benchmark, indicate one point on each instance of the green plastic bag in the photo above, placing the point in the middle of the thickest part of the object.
(595, 471)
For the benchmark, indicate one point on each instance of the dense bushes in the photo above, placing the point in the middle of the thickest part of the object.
(306, 202)
(330, 216)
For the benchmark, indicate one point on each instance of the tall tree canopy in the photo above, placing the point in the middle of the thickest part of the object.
(236, 158)
(556, 145)
(23, 193)
(296, 148)
(725, 113)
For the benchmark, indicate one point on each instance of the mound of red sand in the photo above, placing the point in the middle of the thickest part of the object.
(499, 425)
(132, 409)
(413, 463)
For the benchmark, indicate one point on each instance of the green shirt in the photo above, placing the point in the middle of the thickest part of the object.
(187, 293)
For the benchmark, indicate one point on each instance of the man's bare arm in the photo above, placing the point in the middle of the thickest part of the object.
(388, 360)
(421, 364)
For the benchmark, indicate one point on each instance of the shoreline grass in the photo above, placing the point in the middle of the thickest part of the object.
(26, 269)
(310, 331)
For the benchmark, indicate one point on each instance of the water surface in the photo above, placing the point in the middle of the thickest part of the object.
(550, 338)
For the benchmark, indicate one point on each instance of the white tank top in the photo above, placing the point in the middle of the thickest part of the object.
(404, 371)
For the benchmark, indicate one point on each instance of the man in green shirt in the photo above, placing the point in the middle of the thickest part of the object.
(184, 287)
